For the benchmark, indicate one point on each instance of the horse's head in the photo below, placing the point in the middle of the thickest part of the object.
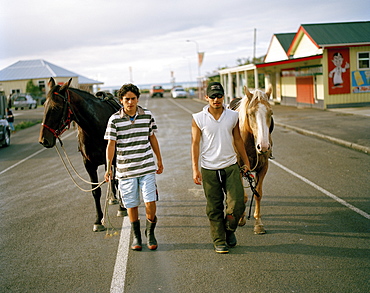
(56, 114)
(255, 113)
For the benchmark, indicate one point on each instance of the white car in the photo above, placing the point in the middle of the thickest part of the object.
(178, 92)
(23, 101)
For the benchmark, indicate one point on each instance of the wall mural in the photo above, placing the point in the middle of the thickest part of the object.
(339, 74)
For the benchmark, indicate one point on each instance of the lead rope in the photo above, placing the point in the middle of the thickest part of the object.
(111, 230)
(74, 181)
(252, 184)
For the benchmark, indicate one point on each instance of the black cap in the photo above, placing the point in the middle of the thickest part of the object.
(215, 88)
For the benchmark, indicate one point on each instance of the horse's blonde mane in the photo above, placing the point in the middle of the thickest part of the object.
(245, 102)
(258, 95)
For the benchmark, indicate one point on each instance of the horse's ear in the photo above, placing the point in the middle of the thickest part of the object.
(248, 93)
(66, 85)
(269, 91)
(51, 83)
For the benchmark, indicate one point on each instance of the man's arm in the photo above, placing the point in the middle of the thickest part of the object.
(110, 151)
(195, 143)
(155, 147)
(239, 145)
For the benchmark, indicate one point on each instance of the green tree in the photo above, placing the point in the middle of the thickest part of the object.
(214, 78)
(240, 62)
(246, 61)
(33, 89)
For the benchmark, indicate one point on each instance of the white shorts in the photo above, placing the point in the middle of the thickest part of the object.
(131, 188)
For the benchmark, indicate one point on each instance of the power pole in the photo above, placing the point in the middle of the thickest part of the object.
(254, 45)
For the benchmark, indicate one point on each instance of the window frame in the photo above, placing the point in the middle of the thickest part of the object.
(362, 59)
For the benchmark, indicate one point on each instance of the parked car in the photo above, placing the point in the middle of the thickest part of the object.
(178, 92)
(23, 101)
(4, 125)
(156, 90)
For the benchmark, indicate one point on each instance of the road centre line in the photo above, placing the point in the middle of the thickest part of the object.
(336, 198)
(29, 157)
(119, 273)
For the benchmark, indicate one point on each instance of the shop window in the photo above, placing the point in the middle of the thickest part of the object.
(363, 59)
(42, 85)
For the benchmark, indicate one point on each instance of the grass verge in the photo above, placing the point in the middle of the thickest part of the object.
(25, 124)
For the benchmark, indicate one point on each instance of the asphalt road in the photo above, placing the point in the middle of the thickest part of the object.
(315, 210)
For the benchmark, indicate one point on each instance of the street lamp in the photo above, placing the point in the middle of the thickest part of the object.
(197, 48)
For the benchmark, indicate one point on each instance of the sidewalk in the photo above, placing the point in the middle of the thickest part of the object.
(349, 127)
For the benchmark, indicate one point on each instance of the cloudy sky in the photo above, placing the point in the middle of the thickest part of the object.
(103, 39)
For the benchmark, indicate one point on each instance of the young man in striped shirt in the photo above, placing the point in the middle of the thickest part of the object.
(131, 136)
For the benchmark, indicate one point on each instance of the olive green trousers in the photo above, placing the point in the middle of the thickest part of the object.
(225, 200)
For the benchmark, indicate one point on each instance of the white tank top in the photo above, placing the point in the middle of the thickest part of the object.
(217, 148)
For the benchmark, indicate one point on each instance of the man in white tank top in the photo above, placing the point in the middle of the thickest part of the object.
(215, 136)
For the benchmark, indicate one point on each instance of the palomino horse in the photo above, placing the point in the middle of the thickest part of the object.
(64, 105)
(255, 123)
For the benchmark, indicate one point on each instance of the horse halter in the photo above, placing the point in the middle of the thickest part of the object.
(66, 118)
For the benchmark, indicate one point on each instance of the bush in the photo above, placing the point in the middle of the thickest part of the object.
(25, 124)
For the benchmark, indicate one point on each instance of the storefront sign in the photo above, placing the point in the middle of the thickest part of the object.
(361, 81)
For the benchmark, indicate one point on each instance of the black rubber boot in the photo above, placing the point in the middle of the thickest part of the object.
(230, 238)
(149, 233)
(136, 242)
(230, 226)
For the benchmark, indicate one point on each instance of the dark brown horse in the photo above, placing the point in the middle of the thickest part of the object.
(256, 124)
(64, 105)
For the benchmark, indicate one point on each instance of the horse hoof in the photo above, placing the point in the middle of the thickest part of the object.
(259, 229)
(242, 221)
(113, 201)
(98, 228)
(122, 213)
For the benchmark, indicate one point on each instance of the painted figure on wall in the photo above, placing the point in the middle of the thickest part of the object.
(339, 71)
(336, 73)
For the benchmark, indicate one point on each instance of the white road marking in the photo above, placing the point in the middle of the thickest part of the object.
(22, 161)
(119, 273)
(29, 157)
(180, 106)
(146, 102)
(336, 198)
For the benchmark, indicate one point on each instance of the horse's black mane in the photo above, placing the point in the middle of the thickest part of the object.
(81, 92)
(113, 102)
(234, 104)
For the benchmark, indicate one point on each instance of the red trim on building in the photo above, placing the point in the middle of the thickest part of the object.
(289, 61)
(301, 30)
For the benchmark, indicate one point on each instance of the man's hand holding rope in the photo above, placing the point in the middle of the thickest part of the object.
(109, 173)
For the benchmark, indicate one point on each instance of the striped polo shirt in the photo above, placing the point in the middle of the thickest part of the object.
(134, 152)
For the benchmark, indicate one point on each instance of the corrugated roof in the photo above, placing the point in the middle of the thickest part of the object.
(339, 33)
(86, 80)
(285, 40)
(35, 69)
